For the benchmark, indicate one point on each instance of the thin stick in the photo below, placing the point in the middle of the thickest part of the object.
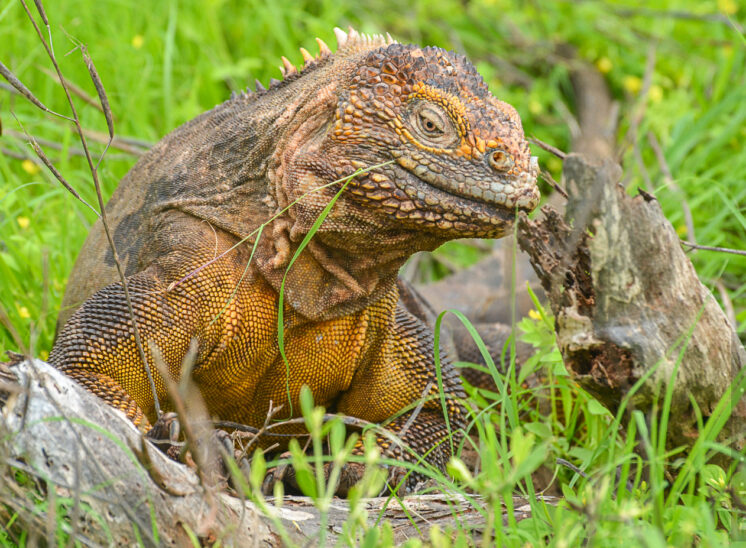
(99, 195)
(549, 148)
(549, 179)
(713, 248)
(75, 89)
(47, 162)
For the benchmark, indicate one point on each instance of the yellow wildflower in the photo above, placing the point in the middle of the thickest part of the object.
(23, 222)
(534, 315)
(30, 167)
(138, 41)
(604, 65)
(23, 312)
(632, 84)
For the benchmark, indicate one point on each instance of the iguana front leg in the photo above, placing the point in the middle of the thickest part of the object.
(97, 345)
(402, 376)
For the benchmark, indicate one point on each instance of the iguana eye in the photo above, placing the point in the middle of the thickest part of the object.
(430, 124)
(433, 127)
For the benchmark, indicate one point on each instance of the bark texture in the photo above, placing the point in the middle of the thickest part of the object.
(627, 302)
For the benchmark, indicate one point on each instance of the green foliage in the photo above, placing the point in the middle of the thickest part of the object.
(166, 64)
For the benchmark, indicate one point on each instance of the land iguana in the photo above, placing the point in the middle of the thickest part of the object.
(456, 165)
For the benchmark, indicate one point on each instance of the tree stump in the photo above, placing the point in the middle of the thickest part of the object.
(628, 305)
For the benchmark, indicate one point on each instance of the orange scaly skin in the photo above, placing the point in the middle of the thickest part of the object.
(459, 166)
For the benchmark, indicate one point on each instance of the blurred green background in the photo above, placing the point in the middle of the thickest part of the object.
(164, 62)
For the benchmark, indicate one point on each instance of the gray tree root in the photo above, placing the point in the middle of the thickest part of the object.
(628, 304)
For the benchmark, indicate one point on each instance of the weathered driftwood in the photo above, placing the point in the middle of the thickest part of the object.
(88, 451)
(627, 302)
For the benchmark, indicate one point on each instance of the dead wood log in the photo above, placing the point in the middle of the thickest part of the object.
(82, 449)
(628, 303)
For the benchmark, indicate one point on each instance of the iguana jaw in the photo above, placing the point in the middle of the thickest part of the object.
(518, 192)
(407, 196)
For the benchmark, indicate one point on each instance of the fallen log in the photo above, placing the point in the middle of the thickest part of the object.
(79, 448)
(629, 307)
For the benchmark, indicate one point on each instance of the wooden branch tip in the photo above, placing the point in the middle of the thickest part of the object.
(549, 148)
(714, 248)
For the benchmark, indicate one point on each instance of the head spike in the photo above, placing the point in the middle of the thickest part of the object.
(273, 82)
(289, 67)
(341, 37)
(307, 57)
(323, 48)
(389, 40)
(259, 86)
(352, 34)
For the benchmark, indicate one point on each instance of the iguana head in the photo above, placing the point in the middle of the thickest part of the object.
(444, 160)
(460, 164)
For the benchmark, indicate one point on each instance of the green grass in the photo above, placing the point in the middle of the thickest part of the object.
(165, 64)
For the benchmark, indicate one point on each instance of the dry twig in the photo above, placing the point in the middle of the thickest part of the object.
(93, 168)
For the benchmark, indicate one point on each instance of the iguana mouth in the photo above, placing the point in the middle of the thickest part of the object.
(508, 193)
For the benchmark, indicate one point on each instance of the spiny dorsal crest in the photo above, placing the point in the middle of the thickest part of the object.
(348, 43)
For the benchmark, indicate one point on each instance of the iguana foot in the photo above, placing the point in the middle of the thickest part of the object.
(217, 447)
(165, 435)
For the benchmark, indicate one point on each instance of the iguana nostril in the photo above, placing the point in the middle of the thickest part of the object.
(501, 160)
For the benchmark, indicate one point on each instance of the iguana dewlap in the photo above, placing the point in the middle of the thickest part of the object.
(459, 167)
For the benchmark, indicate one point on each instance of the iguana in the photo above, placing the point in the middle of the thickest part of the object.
(456, 165)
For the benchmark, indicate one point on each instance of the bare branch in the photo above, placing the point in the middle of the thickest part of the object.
(549, 179)
(712, 248)
(549, 148)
